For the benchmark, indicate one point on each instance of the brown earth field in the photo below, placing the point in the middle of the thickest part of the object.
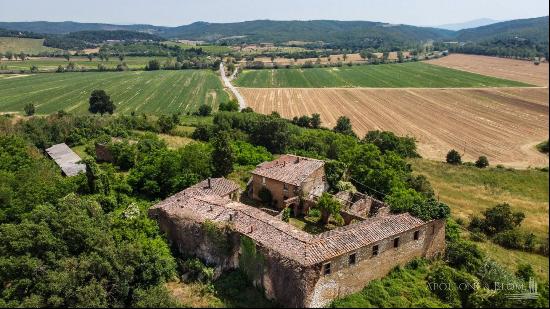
(503, 124)
(518, 70)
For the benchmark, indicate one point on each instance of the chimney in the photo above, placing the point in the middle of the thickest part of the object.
(209, 183)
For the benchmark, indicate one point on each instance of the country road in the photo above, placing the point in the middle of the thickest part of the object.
(227, 83)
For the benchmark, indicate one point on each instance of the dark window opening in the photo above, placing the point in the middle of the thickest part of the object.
(352, 259)
(416, 235)
(326, 269)
(375, 250)
(433, 229)
(396, 242)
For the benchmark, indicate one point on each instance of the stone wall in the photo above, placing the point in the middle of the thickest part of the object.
(345, 279)
(282, 280)
(192, 239)
(277, 189)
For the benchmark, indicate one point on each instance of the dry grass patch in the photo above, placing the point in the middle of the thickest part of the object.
(469, 191)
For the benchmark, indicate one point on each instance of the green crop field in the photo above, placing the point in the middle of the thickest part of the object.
(412, 74)
(140, 91)
(28, 46)
(51, 63)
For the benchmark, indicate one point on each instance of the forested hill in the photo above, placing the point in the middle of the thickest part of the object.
(351, 34)
(70, 26)
(534, 29)
(316, 30)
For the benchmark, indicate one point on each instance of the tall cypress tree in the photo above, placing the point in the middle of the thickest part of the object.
(222, 156)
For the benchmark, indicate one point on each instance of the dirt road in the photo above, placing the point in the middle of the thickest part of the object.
(235, 91)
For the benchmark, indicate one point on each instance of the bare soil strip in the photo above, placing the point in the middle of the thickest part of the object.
(512, 69)
(503, 124)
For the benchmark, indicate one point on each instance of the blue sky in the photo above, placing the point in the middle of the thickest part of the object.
(180, 12)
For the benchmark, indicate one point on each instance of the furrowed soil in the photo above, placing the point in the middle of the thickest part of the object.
(518, 70)
(503, 124)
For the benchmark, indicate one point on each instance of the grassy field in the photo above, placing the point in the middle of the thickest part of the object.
(140, 91)
(469, 190)
(413, 74)
(51, 64)
(28, 46)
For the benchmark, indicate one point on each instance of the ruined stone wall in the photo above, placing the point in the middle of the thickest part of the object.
(103, 153)
(316, 179)
(283, 280)
(193, 239)
(345, 279)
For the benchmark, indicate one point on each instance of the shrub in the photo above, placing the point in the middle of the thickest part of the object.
(205, 110)
(464, 255)
(453, 157)
(498, 219)
(543, 147)
(230, 106)
(482, 162)
(286, 214)
(29, 109)
(153, 65)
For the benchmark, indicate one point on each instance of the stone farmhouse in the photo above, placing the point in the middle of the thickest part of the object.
(291, 266)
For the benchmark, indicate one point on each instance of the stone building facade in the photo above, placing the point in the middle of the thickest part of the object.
(287, 177)
(292, 267)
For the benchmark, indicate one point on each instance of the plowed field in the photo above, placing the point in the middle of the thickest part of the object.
(503, 124)
(518, 70)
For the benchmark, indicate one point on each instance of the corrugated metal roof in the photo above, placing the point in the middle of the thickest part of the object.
(66, 159)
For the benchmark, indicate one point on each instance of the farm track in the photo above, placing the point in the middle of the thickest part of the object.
(500, 123)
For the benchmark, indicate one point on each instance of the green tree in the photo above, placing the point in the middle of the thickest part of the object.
(67, 56)
(29, 109)
(328, 206)
(222, 156)
(497, 219)
(22, 56)
(153, 65)
(90, 57)
(343, 125)
(315, 121)
(101, 103)
(482, 162)
(453, 157)
(230, 106)
(205, 110)
(166, 123)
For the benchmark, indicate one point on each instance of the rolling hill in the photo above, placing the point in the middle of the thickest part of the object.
(347, 34)
(534, 29)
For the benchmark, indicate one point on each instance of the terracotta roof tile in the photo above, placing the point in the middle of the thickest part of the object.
(289, 169)
(282, 237)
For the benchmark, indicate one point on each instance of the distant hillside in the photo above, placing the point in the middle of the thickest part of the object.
(329, 31)
(534, 29)
(469, 24)
(70, 26)
(529, 35)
